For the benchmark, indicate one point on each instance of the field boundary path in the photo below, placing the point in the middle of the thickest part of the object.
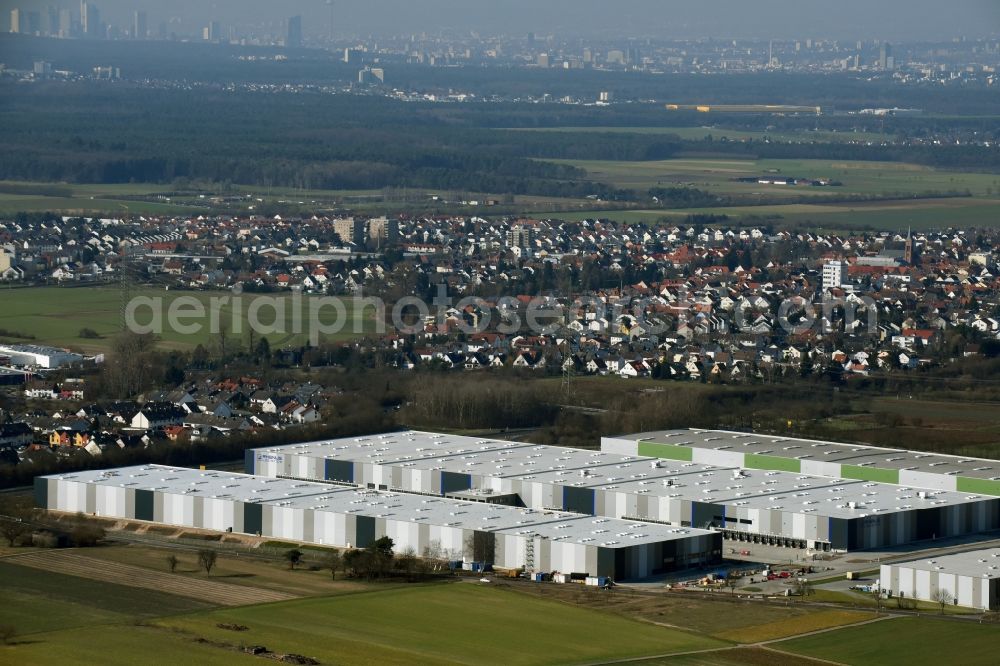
(72, 563)
(763, 645)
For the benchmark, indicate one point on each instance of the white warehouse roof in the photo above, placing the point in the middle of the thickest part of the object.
(975, 563)
(602, 470)
(811, 449)
(554, 525)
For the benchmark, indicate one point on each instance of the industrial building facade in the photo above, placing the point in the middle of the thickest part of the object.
(323, 514)
(762, 505)
(39, 356)
(969, 579)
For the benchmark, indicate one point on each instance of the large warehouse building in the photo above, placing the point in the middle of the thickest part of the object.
(39, 356)
(806, 456)
(778, 507)
(504, 536)
(969, 579)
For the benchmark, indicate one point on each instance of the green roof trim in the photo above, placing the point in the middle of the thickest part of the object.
(979, 486)
(870, 474)
(761, 461)
(668, 451)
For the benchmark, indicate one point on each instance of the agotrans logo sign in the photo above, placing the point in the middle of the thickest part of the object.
(270, 458)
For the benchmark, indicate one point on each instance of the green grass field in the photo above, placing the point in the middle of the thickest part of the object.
(715, 175)
(459, 623)
(55, 316)
(239, 571)
(126, 644)
(913, 184)
(37, 601)
(892, 215)
(63, 619)
(736, 657)
(910, 641)
(16, 197)
(138, 198)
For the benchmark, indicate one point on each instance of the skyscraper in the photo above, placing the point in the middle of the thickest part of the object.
(885, 57)
(212, 31)
(15, 20)
(90, 19)
(52, 21)
(294, 38)
(139, 26)
(65, 23)
(34, 21)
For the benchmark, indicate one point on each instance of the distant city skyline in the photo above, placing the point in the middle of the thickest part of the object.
(913, 20)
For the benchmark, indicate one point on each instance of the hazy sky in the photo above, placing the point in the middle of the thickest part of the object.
(841, 19)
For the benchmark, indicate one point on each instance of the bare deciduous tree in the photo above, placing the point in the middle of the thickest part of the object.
(942, 597)
(207, 558)
(15, 516)
(293, 556)
(333, 561)
(406, 562)
(172, 562)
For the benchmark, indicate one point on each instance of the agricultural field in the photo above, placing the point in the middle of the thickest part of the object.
(126, 643)
(65, 615)
(805, 623)
(208, 590)
(18, 197)
(746, 621)
(232, 570)
(915, 186)
(716, 175)
(917, 214)
(743, 656)
(153, 199)
(62, 618)
(458, 623)
(56, 315)
(37, 601)
(911, 641)
(722, 133)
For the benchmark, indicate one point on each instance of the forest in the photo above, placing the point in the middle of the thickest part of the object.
(88, 132)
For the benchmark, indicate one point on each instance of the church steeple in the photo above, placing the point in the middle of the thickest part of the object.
(908, 252)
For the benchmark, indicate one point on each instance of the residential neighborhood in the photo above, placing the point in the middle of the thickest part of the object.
(60, 423)
(683, 301)
(702, 303)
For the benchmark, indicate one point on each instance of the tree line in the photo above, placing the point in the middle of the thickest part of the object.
(118, 134)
